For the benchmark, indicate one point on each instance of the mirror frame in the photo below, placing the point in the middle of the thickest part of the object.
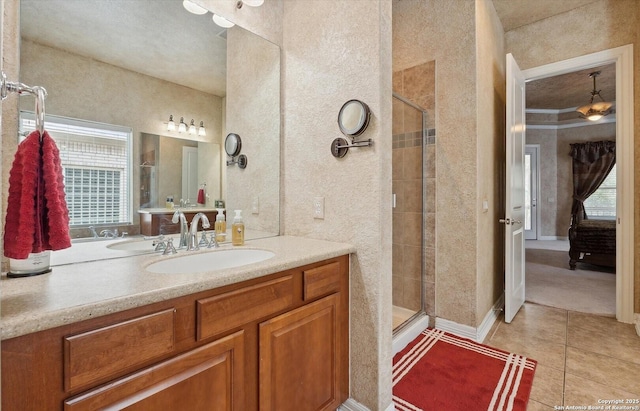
(232, 138)
(363, 122)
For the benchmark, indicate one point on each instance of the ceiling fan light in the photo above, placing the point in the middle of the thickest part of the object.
(191, 7)
(595, 111)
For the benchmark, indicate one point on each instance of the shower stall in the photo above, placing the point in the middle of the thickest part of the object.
(410, 138)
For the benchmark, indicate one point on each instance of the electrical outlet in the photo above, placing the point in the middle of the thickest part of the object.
(318, 207)
(255, 206)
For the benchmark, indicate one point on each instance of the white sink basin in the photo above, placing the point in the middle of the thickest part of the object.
(133, 245)
(209, 261)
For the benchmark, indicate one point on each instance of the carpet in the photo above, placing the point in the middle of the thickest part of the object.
(440, 371)
(549, 281)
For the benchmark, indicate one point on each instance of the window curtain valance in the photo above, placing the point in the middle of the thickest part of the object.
(592, 162)
(591, 152)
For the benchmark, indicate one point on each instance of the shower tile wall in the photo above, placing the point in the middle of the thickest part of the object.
(418, 85)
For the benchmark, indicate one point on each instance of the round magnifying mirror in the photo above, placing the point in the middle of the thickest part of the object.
(354, 117)
(232, 144)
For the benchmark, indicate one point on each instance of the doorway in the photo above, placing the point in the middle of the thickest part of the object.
(622, 57)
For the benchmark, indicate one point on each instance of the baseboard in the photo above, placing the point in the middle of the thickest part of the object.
(409, 333)
(552, 237)
(466, 331)
(353, 405)
(490, 319)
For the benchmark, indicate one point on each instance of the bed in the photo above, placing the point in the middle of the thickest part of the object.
(593, 242)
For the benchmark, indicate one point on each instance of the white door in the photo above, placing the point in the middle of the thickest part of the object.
(190, 174)
(531, 192)
(514, 204)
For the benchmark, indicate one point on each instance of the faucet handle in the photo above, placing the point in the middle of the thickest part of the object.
(169, 248)
(203, 240)
(213, 243)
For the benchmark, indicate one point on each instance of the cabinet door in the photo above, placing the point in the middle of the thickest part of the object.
(206, 378)
(301, 358)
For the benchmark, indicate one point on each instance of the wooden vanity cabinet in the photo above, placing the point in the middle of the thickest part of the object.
(278, 342)
(157, 223)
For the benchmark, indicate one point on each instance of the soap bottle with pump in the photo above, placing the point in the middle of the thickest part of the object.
(237, 229)
(221, 226)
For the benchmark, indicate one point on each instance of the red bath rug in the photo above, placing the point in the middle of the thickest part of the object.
(440, 371)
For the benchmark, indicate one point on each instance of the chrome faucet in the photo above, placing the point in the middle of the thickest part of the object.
(179, 216)
(192, 243)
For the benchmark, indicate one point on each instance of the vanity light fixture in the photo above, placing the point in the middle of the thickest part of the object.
(182, 127)
(222, 22)
(595, 111)
(171, 125)
(193, 8)
(252, 3)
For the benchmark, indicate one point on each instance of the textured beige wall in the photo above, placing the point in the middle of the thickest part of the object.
(10, 66)
(565, 137)
(490, 105)
(253, 112)
(335, 51)
(548, 175)
(265, 21)
(562, 37)
(468, 151)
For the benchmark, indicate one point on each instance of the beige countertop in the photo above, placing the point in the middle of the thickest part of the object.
(76, 292)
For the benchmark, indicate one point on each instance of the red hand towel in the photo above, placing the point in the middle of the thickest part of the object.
(201, 196)
(37, 217)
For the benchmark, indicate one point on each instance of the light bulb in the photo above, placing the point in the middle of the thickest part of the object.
(192, 128)
(171, 125)
(222, 22)
(253, 3)
(182, 127)
(193, 8)
(594, 117)
(201, 130)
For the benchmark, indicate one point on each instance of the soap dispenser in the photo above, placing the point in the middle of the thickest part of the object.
(237, 229)
(221, 226)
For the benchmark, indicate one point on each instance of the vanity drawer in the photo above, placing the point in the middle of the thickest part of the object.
(321, 281)
(96, 355)
(227, 311)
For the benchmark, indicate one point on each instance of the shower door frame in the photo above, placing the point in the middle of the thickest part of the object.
(422, 311)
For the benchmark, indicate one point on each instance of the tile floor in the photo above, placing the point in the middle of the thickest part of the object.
(582, 358)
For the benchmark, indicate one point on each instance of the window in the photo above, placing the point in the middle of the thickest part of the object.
(96, 162)
(602, 203)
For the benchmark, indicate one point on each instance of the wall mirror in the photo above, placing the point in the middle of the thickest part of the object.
(108, 62)
(233, 144)
(353, 118)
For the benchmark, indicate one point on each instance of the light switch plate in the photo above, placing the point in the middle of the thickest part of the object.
(318, 207)
(255, 206)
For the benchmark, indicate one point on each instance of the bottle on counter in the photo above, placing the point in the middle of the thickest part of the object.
(221, 226)
(237, 229)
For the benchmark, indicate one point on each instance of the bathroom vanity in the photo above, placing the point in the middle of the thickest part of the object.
(273, 337)
(156, 221)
